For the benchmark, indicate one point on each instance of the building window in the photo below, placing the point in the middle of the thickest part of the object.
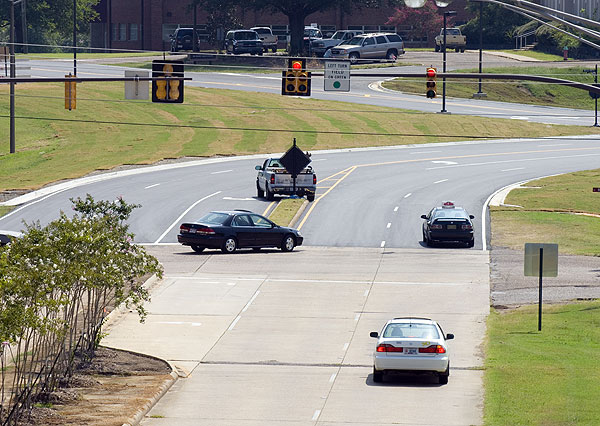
(133, 32)
(115, 32)
(122, 32)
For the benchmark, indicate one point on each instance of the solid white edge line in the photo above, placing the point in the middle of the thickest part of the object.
(250, 302)
(382, 244)
(30, 204)
(234, 322)
(183, 214)
(151, 186)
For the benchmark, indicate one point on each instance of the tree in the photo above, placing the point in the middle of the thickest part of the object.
(499, 25)
(424, 21)
(220, 15)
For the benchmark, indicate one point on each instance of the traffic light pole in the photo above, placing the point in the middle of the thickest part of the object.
(450, 12)
(12, 76)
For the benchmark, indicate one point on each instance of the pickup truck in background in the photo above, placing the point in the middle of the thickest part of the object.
(269, 41)
(273, 179)
(454, 40)
(320, 46)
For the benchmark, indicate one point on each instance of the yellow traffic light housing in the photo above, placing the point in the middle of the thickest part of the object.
(431, 83)
(296, 80)
(171, 88)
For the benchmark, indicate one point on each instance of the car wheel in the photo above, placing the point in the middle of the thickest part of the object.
(462, 50)
(353, 58)
(260, 53)
(229, 245)
(259, 192)
(391, 55)
(471, 243)
(443, 377)
(377, 376)
(457, 50)
(310, 198)
(198, 249)
(425, 238)
(288, 243)
(429, 243)
(268, 194)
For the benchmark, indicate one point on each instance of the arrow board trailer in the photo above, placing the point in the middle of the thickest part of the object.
(337, 76)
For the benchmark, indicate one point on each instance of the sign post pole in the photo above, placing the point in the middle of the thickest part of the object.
(540, 289)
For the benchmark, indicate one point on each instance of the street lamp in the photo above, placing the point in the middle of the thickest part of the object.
(449, 12)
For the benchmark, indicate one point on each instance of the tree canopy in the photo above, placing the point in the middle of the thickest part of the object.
(423, 21)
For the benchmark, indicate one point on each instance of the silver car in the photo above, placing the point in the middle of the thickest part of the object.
(414, 345)
(370, 46)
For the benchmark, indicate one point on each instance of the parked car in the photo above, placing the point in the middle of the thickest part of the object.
(269, 41)
(411, 345)
(7, 236)
(183, 39)
(230, 230)
(243, 41)
(273, 178)
(448, 223)
(311, 34)
(370, 46)
(320, 46)
(454, 40)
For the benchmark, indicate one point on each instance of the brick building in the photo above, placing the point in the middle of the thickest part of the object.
(147, 24)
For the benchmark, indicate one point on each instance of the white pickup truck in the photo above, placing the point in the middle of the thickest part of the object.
(454, 40)
(273, 179)
(269, 41)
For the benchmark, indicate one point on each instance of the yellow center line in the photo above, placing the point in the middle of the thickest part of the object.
(268, 208)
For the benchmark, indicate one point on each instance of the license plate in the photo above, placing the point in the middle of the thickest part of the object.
(451, 227)
(411, 351)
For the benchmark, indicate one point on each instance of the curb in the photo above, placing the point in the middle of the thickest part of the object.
(298, 214)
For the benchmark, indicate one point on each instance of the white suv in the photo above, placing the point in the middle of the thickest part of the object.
(408, 344)
(370, 46)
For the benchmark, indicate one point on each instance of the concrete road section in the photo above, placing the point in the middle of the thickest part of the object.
(274, 338)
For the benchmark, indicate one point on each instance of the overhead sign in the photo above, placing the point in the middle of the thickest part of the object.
(337, 76)
(549, 259)
(137, 89)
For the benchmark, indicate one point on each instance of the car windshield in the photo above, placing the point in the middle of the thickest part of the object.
(411, 330)
(451, 31)
(356, 41)
(311, 33)
(214, 218)
(450, 214)
(245, 35)
(338, 35)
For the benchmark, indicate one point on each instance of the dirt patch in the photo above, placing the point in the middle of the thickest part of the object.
(107, 391)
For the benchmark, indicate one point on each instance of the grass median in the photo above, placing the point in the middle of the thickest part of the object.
(563, 209)
(105, 131)
(543, 378)
(285, 210)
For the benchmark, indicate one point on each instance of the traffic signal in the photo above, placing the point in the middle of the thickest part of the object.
(171, 89)
(70, 93)
(296, 80)
(431, 82)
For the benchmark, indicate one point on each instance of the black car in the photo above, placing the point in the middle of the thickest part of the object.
(7, 236)
(448, 223)
(230, 230)
(183, 39)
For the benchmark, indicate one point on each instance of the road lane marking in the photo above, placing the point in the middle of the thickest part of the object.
(440, 181)
(557, 144)
(239, 199)
(389, 224)
(222, 171)
(250, 302)
(423, 152)
(332, 378)
(346, 346)
(408, 195)
(486, 163)
(366, 293)
(382, 244)
(183, 214)
(356, 317)
(396, 208)
(234, 323)
(444, 162)
(268, 208)
(151, 186)
(510, 170)
(316, 415)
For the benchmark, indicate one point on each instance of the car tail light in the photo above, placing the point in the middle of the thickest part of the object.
(314, 179)
(433, 349)
(436, 226)
(272, 179)
(469, 227)
(184, 228)
(205, 231)
(388, 348)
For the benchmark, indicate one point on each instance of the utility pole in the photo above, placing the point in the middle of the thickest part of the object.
(450, 12)
(12, 75)
(74, 37)
(24, 25)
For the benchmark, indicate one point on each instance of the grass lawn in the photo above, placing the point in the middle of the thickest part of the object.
(512, 91)
(5, 209)
(84, 55)
(548, 211)
(543, 378)
(285, 210)
(54, 143)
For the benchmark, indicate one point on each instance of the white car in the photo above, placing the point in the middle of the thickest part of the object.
(415, 345)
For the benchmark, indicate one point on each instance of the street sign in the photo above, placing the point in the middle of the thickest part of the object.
(294, 160)
(549, 261)
(137, 89)
(337, 76)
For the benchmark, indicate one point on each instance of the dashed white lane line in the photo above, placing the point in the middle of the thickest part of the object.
(440, 181)
(424, 152)
(151, 186)
(234, 323)
(382, 244)
(250, 302)
(346, 346)
(510, 170)
(332, 378)
(389, 225)
(408, 195)
(316, 415)
(366, 293)
(357, 317)
(222, 171)
(396, 208)
(183, 214)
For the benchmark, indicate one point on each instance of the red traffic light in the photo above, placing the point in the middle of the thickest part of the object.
(431, 72)
(297, 65)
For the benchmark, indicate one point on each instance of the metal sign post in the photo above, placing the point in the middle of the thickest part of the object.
(541, 260)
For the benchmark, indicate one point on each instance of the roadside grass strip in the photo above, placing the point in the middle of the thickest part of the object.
(523, 92)
(543, 378)
(285, 210)
(105, 131)
(559, 209)
(5, 209)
